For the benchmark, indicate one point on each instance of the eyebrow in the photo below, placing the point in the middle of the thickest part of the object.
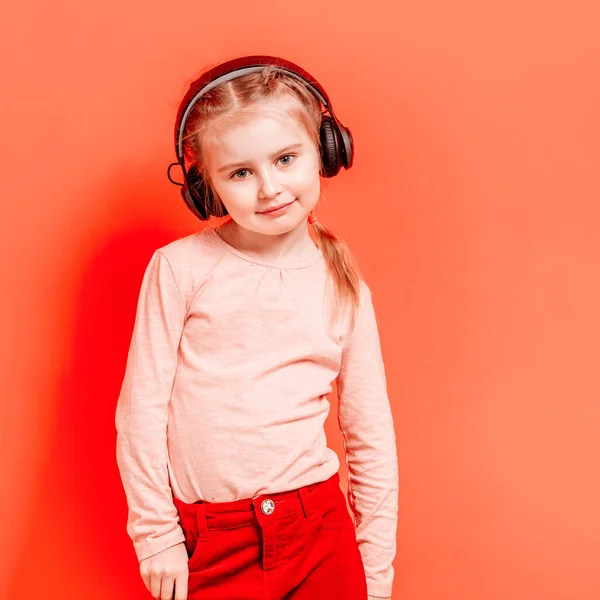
(241, 164)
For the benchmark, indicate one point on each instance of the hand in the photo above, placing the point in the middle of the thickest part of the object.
(166, 572)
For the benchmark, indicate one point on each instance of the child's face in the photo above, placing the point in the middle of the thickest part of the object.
(266, 175)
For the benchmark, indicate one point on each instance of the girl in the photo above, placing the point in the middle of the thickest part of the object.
(240, 331)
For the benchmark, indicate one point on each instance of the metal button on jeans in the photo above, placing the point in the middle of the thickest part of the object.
(267, 506)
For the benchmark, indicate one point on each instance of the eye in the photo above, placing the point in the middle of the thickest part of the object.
(288, 156)
(233, 176)
(289, 162)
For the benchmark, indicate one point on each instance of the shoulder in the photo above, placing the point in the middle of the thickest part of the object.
(365, 298)
(356, 317)
(191, 252)
(190, 259)
(365, 291)
(185, 248)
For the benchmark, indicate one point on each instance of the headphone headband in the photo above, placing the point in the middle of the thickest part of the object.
(233, 69)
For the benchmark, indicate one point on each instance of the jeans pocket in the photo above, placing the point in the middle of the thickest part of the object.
(196, 549)
(333, 513)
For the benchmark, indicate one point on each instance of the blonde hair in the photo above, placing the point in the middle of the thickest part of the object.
(234, 100)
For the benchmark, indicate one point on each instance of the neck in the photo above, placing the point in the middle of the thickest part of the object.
(291, 246)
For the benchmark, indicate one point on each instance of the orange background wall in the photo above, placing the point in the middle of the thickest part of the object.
(472, 208)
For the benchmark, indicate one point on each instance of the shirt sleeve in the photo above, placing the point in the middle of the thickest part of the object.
(141, 413)
(366, 424)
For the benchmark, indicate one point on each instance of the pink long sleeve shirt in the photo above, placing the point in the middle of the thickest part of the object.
(224, 395)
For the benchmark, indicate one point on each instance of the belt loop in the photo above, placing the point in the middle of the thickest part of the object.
(201, 521)
(307, 504)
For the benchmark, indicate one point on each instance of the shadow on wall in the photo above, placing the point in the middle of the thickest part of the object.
(75, 541)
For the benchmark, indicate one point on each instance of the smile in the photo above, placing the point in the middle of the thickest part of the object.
(277, 210)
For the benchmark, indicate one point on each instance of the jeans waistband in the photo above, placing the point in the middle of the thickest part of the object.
(263, 508)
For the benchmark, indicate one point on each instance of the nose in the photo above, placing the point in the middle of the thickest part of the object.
(270, 186)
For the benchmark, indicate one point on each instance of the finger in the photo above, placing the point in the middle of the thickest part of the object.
(145, 577)
(166, 587)
(155, 580)
(181, 587)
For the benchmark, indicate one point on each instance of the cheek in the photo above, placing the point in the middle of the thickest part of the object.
(236, 193)
(314, 186)
(306, 181)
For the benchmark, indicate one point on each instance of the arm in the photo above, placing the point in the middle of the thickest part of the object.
(141, 414)
(366, 423)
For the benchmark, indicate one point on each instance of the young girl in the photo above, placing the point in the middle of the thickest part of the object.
(240, 331)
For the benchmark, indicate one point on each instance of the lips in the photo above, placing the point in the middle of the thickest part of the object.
(273, 208)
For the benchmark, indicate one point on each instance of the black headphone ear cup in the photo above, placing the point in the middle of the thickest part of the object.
(197, 195)
(347, 146)
(330, 147)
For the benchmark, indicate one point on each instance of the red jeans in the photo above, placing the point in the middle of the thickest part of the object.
(293, 545)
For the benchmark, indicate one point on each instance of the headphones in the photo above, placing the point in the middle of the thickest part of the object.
(337, 147)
